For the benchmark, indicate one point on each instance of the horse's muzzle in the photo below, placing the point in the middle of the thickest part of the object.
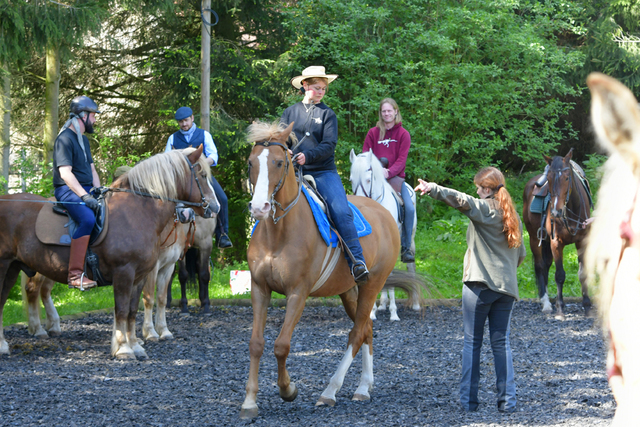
(260, 214)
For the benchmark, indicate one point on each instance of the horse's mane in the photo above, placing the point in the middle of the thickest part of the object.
(159, 174)
(265, 131)
(359, 167)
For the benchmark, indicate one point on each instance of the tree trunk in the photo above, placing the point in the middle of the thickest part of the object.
(5, 108)
(51, 109)
(205, 68)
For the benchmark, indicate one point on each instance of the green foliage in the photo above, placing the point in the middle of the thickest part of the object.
(477, 82)
(452, 230)
(33, 173)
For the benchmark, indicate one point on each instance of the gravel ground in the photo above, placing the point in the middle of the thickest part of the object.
(199, 378)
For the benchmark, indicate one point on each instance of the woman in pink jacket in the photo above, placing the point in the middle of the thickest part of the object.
(389, 140)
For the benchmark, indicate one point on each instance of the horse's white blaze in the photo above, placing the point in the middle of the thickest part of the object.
(260, 204)
(338, 378)
(366, 378)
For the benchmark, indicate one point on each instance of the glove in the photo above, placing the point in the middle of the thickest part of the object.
(98, 191)
(90, 202)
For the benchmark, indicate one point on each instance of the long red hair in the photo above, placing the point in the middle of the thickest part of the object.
(492, 178)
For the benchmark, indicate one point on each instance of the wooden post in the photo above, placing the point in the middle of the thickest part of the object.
(5, 107)
(51, 106)
(205, 68)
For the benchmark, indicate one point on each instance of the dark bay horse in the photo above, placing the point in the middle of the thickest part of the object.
(287, 255)
(140, 204)
(566, 220)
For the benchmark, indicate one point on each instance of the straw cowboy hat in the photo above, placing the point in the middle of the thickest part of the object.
(310, 72)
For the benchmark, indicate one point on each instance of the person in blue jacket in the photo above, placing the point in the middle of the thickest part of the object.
(191, 135)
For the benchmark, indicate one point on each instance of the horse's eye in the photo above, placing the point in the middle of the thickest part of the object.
(280, 163)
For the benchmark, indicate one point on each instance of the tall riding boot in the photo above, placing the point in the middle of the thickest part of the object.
(77, 278)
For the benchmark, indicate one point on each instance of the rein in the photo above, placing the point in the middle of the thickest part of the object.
(272, 200)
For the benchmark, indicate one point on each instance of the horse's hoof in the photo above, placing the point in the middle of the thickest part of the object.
(206, 310)
(55, 332)
(559, 317)
(166, 336)
(141, 355)
(394, 318)
(248, 413)
(182, 313)
(152, 338)
(416, 307)
(373, 316)
(4, 348)
(125, 356)
(360, 397)
(292, 395)
(325, 401)
(41, 335)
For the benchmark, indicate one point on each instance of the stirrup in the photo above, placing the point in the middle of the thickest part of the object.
(82, 288)
(360, 272)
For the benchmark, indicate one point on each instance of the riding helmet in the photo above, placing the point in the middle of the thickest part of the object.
(83, 103)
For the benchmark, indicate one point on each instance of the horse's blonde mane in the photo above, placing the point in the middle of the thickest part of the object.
(260, 131)
(361, 164)
(159, 174)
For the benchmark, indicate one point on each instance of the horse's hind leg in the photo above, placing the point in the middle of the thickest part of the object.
(393, 308)
(132, 339)
(384, 300)
(414, 297)
(260, 303)
(204, 276)
(53, 319)
(183, 277)
(31, 293)
(149, 286)
(560, 278)
(9, 272)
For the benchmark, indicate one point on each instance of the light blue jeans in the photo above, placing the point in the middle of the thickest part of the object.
(479, 303)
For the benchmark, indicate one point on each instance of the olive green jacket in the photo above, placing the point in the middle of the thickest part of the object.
(488, 259)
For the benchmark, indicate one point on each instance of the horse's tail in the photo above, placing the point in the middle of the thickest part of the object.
(191, 265)
(415, 285)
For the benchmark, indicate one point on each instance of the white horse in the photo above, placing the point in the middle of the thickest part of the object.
(367, 179)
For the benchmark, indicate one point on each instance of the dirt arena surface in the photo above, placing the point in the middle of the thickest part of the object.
(198, 379)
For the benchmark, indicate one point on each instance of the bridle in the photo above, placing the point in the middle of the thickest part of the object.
(274, 203)
(579, 223)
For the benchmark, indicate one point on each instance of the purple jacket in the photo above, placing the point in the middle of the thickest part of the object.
(394, 146)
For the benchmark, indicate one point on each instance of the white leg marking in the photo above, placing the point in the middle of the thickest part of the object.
(384, 300)
(373, 312)
(546, 305)
(366, 378)
(338, 378)
(393, 309)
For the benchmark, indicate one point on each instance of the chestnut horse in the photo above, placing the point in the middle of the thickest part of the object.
(565, 222)
(287, 255)
(140, 205)
(613, 250)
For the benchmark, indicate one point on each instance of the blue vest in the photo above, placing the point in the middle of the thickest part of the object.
(180, 143)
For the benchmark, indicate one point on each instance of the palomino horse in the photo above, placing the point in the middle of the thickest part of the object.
(138, 212)
(196, 263)
(565, 222)
(613, 250)
(287, 255)
(367, 179)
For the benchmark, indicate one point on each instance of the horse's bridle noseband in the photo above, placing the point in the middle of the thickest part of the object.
(279, 185)
(554, 194)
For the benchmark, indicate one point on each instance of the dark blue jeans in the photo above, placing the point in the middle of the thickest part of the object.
(84, 216)
(479, 303)
(409, 212)
(330, 187)
(222, 225)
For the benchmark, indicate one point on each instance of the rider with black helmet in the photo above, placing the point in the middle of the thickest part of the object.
(73, 176)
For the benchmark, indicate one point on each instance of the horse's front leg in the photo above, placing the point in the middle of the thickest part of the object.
(122, 289)
(260, 302)
(31, 290)
(204, 276)
(541, 252)
(582, 275)
(414, 297)
(558, 250)
(53, 319)
(8, 275)
(384, 300)
(134, 343)
(149, 284)
(183, 277)
(282, 345)
(393, 308)
(163, 284)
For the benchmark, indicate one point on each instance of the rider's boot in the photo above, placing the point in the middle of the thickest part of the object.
(407, 256)
(77, 278)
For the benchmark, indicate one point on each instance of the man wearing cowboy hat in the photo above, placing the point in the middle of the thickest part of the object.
(191, 135)
(316, 127)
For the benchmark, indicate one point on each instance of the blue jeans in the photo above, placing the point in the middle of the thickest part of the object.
(222, 224)
(409, 212)
(84, 216)
(479, 303)
(330, 187)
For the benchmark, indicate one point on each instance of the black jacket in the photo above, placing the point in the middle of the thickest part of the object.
(322, 125)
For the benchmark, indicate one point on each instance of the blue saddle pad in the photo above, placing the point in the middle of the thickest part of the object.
(363, 227)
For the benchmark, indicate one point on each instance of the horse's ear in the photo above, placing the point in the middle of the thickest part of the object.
(193, 157)
(352, 156)
(284, 135)
(569, 155)
(547, 159)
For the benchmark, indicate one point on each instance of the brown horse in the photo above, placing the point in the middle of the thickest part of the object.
(288, 255)
(565, 222)
(140, 205)
(613, 250)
